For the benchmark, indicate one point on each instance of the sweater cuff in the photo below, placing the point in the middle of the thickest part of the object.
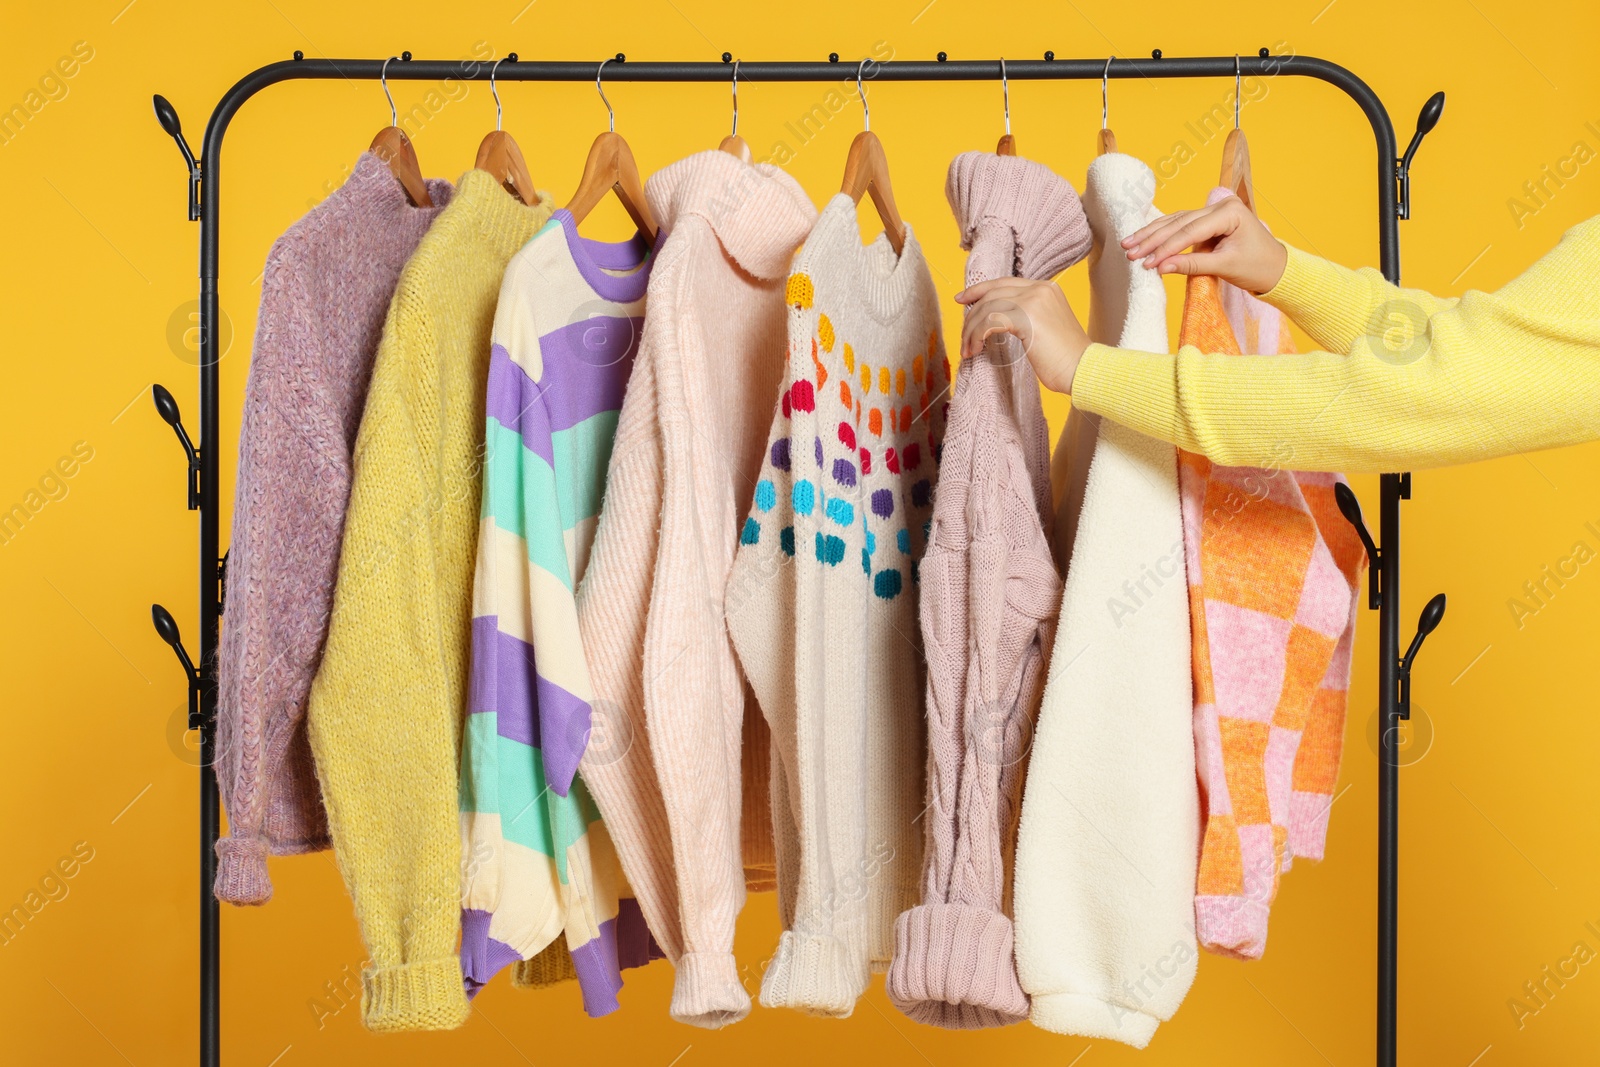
(242, 871)
(1138, 390)
(954, 967)
(816, 974)
(1333, 304)
(1230, 926)
(414, 996)
(1085, 1016)
(707, 991)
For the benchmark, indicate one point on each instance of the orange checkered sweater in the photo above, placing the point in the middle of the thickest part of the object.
(1273, 570)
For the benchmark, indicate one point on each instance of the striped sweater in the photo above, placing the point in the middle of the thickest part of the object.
(537, 859)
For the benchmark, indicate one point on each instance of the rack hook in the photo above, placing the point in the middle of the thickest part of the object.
(1350, 508)
(1005, 94)
(610, 111)
(1427, 119)
(1236, 81)
(167, 115)
(167, 408)
(167, 630)
(735, 132)
(866, 112)
(1105, 98)
(1427, 622)
(383, 80)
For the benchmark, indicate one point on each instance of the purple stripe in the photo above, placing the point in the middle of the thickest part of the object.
(586, 367)
(599, 977)
(506, 681)
(594, 258)
(482, 957)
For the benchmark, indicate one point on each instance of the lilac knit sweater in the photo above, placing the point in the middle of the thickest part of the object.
(324, 296)
(990, 593)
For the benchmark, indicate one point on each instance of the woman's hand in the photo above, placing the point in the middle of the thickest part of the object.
(1035, 313)
(1229, 242)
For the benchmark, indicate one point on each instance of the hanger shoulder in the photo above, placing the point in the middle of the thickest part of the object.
(866, 172)
(735, 145)
(393, 147)
(1105, 143)
(611, 167)
(1007, 146)
(499, 155)
(1236, 168)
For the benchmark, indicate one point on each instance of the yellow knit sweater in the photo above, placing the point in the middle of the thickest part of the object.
(1426, 382)
(386, 706)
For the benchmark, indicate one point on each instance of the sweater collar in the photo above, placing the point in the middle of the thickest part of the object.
(757, 211)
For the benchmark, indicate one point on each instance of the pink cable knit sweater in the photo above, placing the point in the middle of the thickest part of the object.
(324, 296)
(990, 593)
(666, 756)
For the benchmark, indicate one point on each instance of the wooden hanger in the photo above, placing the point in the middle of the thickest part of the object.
(393, 147)
(611, 168)
(1008, 143)
(499, 155)
(1236, 153)
(733, 144)
(866, 171)
(1105, 141)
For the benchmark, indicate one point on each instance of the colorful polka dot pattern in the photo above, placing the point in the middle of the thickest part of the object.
(884, 405)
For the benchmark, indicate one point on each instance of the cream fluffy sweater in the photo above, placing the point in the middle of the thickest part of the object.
(1106, 850)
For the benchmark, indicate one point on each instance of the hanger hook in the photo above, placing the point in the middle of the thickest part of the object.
(735, 99)
(495, 91)
(1236, 90)
(383, 79)
(866, 112)
(1005, 94)
(1105, 107)
(599, 89)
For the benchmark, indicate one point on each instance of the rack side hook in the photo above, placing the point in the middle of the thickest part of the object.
(167, 115)
(1350, 508)
(1427, 119)
(167, 408)
(167, 629)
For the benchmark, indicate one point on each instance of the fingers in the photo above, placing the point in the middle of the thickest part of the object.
(1199, 230)
(1193, 263)
(993, 287)
(994, 316)
(1149, 230)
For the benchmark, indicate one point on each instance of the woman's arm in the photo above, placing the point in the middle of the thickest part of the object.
(1426, 382)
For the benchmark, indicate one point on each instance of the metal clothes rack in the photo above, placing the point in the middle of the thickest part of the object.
(204, 177)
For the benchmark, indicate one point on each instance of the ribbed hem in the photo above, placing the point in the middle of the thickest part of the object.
(954, 967)
(1235, 927)
(814, 974)
(760, 880)
(1333, 304)
(1139, 390)
(415, 996)
(1084, 1016)
(708, 992)
(1308, 824)
(242, 871)
(550, 967)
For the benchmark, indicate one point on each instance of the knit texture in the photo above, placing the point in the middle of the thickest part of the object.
(540, 861)
(1407, 380)
(668, 763)
(1110, 813)
(822, 603)
(990, 593)
(386, 707)
(324, 294)
(1272, 601)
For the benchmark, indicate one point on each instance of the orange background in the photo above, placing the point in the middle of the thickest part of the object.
(1500, 871)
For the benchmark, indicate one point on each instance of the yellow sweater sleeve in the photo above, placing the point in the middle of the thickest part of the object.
(1408, 380)
(382, 714)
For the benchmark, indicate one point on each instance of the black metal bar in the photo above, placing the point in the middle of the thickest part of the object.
(893, 71)
(1388, 764)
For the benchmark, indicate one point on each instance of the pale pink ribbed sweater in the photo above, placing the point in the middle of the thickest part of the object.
(664, 760)
(324, 297)
(990, 593)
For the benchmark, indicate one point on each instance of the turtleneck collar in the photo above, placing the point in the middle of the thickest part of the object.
(759, 214)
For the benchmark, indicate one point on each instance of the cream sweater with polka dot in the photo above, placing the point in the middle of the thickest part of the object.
(822, 604)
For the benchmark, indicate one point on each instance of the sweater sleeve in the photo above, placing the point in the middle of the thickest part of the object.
(1410, 380)
(288, 515)
(694, 694)
(382, 720)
